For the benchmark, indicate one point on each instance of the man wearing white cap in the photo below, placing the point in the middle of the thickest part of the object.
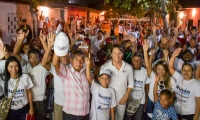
(76, 87)
(61, 39)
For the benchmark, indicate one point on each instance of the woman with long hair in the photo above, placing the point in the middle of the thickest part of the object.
(22, 101)
(161, 70)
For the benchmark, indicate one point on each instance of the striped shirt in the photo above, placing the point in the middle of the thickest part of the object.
(76, 91)
(160, 113)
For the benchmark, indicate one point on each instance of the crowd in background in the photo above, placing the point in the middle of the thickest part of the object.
(145, 72)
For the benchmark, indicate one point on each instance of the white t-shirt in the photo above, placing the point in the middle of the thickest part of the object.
(150, 41)
(185, 92)
(158, 38)
(24, 56)
(96, 44)
(141, 79)
(121, 29)
(20, 99)
(41, 24)
(2, 66)
(58, 87)
(102, 100)
(152, 82)
(38, 75)
(120, 80)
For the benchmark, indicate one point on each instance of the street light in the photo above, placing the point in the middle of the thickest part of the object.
(194, 12)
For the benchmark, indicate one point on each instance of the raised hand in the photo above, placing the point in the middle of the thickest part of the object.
(153, 51)
(87, 60)
(2, 50)
(77, 36)
(157, 78)
(50, 39)
(42, 37)
(154, 28)
(176, 30)
(176, 52)
(107, 35)
(132, 38)
(22, 35)
(145, 45)
(125, 37)
(166, 52)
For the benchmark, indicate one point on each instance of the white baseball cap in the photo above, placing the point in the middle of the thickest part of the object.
(61, 44)
(105, 71)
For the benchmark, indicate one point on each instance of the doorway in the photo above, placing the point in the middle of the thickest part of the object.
(190, 24)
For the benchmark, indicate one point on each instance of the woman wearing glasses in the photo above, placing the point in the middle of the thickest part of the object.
(161, 70)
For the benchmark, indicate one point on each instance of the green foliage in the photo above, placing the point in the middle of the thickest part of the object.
(140, 8)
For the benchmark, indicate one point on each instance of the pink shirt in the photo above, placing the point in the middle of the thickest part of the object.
(76, 91)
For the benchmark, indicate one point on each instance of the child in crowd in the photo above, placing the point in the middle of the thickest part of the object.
(103, 100)
(163, 109)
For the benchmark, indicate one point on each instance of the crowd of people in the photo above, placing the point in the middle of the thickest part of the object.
(146, 73)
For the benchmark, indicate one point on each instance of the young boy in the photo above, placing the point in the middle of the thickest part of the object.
(103, 99)
(162, 109)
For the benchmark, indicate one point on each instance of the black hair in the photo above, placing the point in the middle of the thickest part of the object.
(166, 93)
(82, 26)
(193, 38)
(78, 53)
(7, 74)
(101, 52)
(138, 54)
(187, 63)
(25, 44)
(34, 51)
(194, 28)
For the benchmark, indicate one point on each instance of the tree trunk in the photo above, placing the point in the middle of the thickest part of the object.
(34, 19)
(35, 25)
(164, 14)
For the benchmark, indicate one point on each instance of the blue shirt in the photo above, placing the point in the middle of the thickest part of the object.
(160, 113)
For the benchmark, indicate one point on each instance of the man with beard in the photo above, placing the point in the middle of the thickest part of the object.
(188, 56)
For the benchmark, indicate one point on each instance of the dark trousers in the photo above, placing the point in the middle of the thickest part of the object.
(187, 117)
(149, 109)
(138, 114)
(73, 117)
(39, 109)
(18, 114)
(121, 36)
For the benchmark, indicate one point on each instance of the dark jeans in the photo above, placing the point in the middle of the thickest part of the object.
(187, 117)
(73, 117)
(149, 109)
(18, 114)
(121, 36)
(39, 109)
(138, 114)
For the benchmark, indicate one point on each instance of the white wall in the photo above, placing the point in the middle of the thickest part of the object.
(6, 8)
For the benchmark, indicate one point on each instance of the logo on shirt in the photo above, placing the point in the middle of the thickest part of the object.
(138, 83)
(183, 91)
